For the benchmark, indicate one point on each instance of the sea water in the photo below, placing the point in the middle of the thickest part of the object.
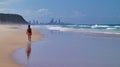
(106, 29)
(67, 46)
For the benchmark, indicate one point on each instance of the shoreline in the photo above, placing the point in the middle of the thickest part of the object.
(68, 49)
(11, 40)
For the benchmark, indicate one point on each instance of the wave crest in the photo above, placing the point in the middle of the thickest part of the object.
(105, 29)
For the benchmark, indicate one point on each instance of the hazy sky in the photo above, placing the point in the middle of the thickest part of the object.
(69, 11)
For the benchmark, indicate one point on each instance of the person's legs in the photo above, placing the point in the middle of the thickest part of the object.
(29, 37)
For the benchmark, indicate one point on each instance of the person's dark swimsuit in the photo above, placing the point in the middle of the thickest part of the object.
(29, 32)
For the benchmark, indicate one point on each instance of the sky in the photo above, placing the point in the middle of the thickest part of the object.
(69, 11)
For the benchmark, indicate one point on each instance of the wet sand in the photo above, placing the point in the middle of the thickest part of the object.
(70, 49)
(12, 39)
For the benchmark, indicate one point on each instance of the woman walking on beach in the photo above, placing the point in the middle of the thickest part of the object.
(29, 32)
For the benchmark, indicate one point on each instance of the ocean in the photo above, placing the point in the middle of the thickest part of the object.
(106, 29)
(73, 46)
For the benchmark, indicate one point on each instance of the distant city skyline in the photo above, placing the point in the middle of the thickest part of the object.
(69, 11)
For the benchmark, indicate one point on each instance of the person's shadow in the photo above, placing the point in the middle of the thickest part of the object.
(28, 49)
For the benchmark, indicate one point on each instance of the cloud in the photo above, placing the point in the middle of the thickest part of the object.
(44, 12)
(72, 15)
(7, 2)
(7, 10)
(39, 14)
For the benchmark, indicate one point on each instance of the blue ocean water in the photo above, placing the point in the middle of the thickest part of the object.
(106, 29)
(65, 46)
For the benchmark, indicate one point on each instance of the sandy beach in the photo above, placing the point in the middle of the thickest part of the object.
(12, 39)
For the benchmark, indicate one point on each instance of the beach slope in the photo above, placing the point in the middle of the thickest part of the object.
(12, 39)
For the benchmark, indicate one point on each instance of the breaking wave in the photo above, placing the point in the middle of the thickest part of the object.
(105, 29)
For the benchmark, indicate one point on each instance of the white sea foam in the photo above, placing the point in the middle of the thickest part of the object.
(95, 26)
(54, 27)
(108, 30)
(117, 26)
(111, 28)
(81, 28)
